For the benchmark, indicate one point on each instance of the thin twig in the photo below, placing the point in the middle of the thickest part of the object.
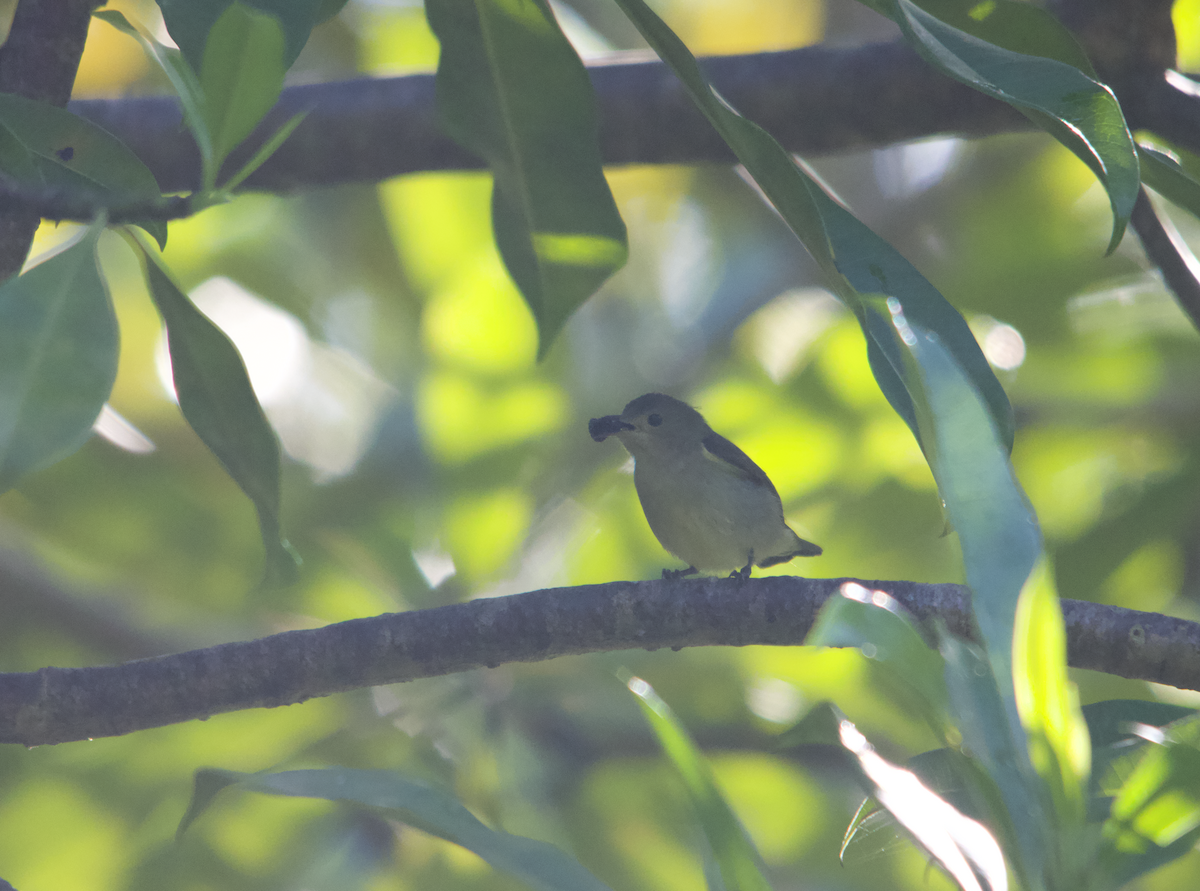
(1169, 252)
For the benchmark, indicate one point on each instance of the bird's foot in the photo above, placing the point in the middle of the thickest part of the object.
(744, 572)
(670, 574)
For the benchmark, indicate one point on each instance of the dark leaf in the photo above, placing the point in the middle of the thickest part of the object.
(58, 358)
(511, 88)
(218, 401)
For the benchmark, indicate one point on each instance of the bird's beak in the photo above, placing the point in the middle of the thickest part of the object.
(602, 428)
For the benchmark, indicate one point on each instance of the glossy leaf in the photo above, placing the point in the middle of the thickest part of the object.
(241, 75)
(183, 80)
(737, 859)
(190, 21)
(1009, 24)
(511, 88)
(1076, 110)
(541, 866)
(912, 674)
(1047, 701)
(41, 145)
(1164, 175)
(856, 262)
(58, 358)
(218, 402)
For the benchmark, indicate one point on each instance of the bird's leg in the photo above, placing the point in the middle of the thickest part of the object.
(744, 572)
(679, 573)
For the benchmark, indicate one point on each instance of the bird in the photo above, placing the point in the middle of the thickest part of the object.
(706, 501)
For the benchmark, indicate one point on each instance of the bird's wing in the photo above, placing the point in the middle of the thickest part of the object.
(720, 449)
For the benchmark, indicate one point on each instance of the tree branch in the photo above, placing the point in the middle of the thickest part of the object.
(58, 204)
(816, 100)
(38, 61)
(64, 704)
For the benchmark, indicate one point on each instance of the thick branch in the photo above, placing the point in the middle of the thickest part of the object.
(63, 704)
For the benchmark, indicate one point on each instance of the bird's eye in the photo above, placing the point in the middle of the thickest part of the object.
(655, 419)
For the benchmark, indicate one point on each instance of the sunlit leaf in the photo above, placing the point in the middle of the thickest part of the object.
(58, 358)
(1154, 817)
(961, 845)
(190, 21)
(1047, 701)
(1000, 543)
(1076, 110)
(541, 866)
(511, 88)
(241, 75)
(738, 860)
(1007, 786)
(855, 260)
(41, 145)
(949, 773)
(912, 673)
(1160, 801)
(218, 402)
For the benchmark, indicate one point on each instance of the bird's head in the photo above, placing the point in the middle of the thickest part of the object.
(653, 423)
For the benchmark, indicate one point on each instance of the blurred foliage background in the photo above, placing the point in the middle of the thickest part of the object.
(431, 461)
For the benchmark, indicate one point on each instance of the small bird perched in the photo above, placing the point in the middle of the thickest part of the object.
(706, 501)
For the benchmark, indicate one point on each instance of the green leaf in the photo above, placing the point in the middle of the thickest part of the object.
(1164, 175)
(41, 145)
(218, 402)
(540, 865)
(911, 673)
(1007, 785)
(190, 21)
(855, 261)
(58, 358)
(1155, 788)
(999, 533)
(737, 858)
(183, 80)
(1001, 544)
(511, 89)
(1010, 24)
(1072, 107)
(241, 75)
(1059, 745)
(1160, 801)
